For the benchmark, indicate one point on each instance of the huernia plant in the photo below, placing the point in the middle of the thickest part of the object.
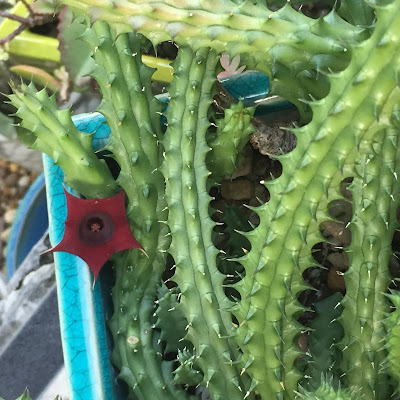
(342, 73)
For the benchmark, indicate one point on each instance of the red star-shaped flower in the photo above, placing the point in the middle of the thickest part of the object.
(95, 229)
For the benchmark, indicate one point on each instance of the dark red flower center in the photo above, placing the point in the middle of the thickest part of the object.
(96, 228)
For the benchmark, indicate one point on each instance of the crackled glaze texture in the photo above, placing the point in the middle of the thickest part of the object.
(82, 322)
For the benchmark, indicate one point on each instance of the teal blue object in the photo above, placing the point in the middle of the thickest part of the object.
(250, 87)
(82, 323)
(82, 320)
(30, 224)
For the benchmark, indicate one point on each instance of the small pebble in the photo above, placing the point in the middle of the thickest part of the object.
(339, 260)
(11, 180)
(6, 191)
(9, 216)
(24, 181)
(5, 234)
(13, 167)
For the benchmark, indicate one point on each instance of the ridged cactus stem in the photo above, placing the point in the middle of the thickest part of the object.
(326, 391)
(54, 133)
(202, 299)
(233, 132)
(392, 325)
(221, 24)
(133, 116)
(375, 200)
(284, 44)
(289, 222)
(137, 348)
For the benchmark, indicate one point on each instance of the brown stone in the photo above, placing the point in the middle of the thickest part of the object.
(254, 218)
(238, 189)
(339, 260)
(13, 167)
(341, 210)
(261, 165)
(218, 206)
(6, 191)
(344, 188)
(11, 180)
(337, 233)
(302, 342)
(336, 280)
(254, 203)
(261, 192)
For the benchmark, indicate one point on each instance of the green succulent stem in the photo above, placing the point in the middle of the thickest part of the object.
(244, 27)
(289, 223)
(375, 197)
(326, 391)
(54, 133)
(322, 354)
(232, 134)
(392, 337)
(202, 300)
(285, 44)
(133, 115)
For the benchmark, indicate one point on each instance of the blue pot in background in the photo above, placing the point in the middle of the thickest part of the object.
(30, 224)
